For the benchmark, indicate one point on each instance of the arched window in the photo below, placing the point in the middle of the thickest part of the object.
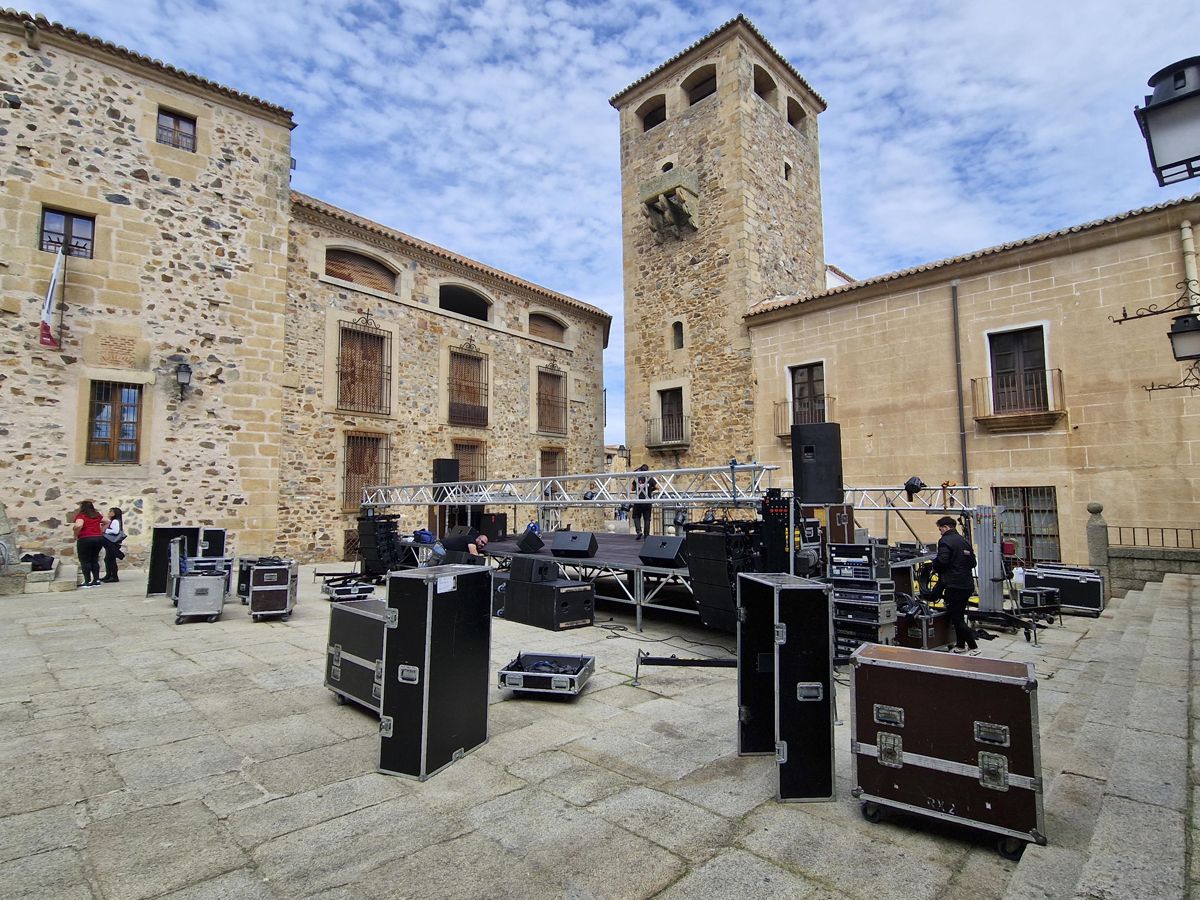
(545, 327)
(676, 335)
(350, 266)
(653, 112)
(795, 114)
(764, 85)
(700, 84)
(464, 301)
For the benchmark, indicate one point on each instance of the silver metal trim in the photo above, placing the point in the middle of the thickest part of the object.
(951, 767)
(957, 673)
(1036, 836)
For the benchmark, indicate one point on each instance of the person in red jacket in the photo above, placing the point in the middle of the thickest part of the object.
(89, 528)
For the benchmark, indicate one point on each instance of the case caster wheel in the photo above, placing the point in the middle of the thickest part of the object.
(872, 812)
(212, 619)
(1027, 634)
(1010, 848)
(286, 616)
(179, 620)
(339, 699)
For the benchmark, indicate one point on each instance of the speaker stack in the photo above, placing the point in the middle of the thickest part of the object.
(715, 557)
(536, 594)
(379, 545)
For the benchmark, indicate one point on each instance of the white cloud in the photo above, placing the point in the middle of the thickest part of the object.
(484, 126)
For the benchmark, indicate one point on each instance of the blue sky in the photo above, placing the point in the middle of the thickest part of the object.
(484, 125)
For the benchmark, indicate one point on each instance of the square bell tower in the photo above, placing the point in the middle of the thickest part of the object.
(721, 209)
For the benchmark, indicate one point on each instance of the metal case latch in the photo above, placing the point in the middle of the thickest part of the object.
(781, 752)
(385, 726)
(392, 620)
(560, 683)
(891, 715)
(891, 749)
(337, 654)
(379, 670)
(993, 771)
(810, 691)
(990, 733)
(514, 679)
(408, 674)
(781, 633)
(743, 714)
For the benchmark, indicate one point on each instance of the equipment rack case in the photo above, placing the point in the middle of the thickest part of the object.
(200, 596)
(522, 673)
(354, 654)
(273, 588)
(950, 737)
(1081, 590)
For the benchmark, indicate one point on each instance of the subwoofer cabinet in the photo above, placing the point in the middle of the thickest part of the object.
(554, 605)
(950, 737)
(436, 670)
(354, 654)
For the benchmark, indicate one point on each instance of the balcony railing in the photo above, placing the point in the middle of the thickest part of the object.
(811, 411)
(669, 431)
(1162, 538)
(468, 414)
(1019, 401)
(177, 137)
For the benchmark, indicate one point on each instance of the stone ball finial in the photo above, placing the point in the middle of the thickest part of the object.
(1095, 508)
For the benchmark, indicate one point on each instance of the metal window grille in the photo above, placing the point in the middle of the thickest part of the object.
(472, 460)
(551, 462)
(367, 463)
(364, 367)
(1030, 520)
(468, 386)
(552, 400)
(74, 234)
(114, 423)
(177, 131)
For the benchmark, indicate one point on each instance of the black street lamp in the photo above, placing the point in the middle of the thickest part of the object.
(1170, 121)
(183, 377)
(1185, 337)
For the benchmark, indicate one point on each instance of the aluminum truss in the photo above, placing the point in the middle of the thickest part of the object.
(718, 486)
(944, 499)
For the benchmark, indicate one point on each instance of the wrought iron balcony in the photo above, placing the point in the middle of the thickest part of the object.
(177, 137)
(811, 411)
(669, 431)
(1019, 401)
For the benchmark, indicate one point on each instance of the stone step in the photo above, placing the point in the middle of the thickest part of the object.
(66, 577)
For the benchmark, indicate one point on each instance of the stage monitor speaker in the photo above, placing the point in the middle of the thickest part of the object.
(533, 570)
(445, 470)
(664, 552)
(576, 544)
(494, 525)
(817, 462)
(530, 542)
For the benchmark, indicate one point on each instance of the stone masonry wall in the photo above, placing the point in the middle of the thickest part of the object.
(189, 266)
(756, 232)
(1130, 568)
(312, 518)
(888, 353)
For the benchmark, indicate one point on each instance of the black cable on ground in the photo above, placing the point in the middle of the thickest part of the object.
(621, 631)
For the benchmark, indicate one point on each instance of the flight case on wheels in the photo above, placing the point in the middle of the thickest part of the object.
(273, 589)
(200, 597)
(354, 655)
(951, 737)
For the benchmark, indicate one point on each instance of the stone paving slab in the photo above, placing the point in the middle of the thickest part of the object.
(223, 734)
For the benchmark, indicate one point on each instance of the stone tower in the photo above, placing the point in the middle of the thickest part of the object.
(721, 209)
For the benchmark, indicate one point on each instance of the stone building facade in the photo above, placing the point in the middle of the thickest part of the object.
(185, 247)
(1053, 410)
(533, 403)
(721, 203)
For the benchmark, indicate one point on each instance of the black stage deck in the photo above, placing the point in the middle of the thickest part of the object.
(617, 551)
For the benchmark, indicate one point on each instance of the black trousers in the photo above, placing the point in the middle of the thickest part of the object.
(956, 608)
(641, 518)
(110, 559)
(88, 551)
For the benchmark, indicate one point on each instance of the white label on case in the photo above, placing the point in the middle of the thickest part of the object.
(445, 584)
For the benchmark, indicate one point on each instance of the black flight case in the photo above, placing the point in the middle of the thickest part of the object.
(950, 737)
(354, 655)
(273, 587)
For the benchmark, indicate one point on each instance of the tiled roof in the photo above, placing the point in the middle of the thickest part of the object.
(46, 28)
(739, 19)
(334, 212)
(781, 302)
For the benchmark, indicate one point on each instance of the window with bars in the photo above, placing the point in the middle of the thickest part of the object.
(367, 463)
(1030, 520)
(364, 367)
(468, 386)
(73, 234)
(551, 463)
(552, 400)
(472, 460)
(347, 265)
(176, 130)
(114, 423)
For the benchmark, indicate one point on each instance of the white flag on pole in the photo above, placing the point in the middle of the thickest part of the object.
(47, 338)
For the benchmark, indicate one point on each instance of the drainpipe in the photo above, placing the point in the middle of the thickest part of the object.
(958, 376)
(1189, 261)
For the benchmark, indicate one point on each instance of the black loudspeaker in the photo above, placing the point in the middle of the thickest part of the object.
(554, 605)
(817, 462)
(530, 542)
(532, 571)
(577, 544)
(494, 525)
(445, 470)
(664, 552)
(499, 592)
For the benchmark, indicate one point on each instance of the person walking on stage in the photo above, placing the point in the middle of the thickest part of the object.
(114, 534)
(954, 564)
(644, 490)
(88, 527)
